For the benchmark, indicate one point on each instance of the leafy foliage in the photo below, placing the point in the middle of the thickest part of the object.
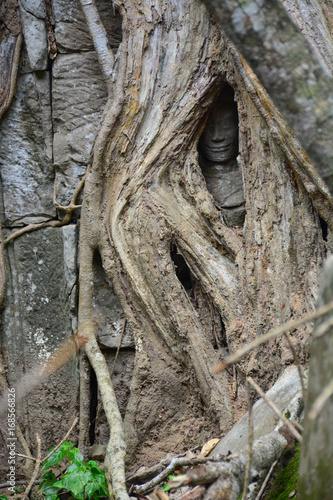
(84, 480)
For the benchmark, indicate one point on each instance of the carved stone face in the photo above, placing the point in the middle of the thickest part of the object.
(219, 141)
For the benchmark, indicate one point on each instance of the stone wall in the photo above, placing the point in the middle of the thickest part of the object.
(46, 138)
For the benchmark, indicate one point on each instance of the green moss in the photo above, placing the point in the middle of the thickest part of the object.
(286, 479)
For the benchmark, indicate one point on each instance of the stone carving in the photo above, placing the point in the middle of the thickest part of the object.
(218, 148)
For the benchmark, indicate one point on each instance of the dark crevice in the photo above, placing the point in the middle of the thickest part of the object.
(183, 272)
(93, 405)
(324, 228)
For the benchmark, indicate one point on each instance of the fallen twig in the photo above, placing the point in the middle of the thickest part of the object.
(287, 422)
(271, 335)
(174, 464)
(36, 469)
(264, 484)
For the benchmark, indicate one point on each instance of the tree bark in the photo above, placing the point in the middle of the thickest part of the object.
(197, 275)
(148, 212)
(315, 481)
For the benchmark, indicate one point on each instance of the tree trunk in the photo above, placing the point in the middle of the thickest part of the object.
(210, 222)
(194, 278)
(317, 449)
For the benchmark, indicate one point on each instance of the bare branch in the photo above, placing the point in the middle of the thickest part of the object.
(36, 469)
(64, 439)
(261, 393)
(297, 363)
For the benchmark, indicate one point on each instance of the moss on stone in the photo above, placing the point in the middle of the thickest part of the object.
(286, 479)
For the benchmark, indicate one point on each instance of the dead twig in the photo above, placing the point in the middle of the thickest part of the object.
(64, 439)
(36, 469)
(54, 449)
(271, 335)
(118, 348)
(175, 463)
(264, 484)
(18, 431)
(249, 442)
(297, 363)
(26, 456)
(321, 401)
(261, 393)
(69, 209)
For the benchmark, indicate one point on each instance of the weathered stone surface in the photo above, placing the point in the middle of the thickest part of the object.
(71, 30)
(34, 7)
(78, 98)
(34, 32)
(284, 393)
(26, 167)
(108, 312)
(36, 320)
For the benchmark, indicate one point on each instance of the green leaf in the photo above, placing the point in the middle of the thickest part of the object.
(93, 488)
(74, 482)
(76, 468)
(52, 496)
(48, 480)
(74, 455)
(92, 463)
(166, 487)
(58, 455)
(3, 497)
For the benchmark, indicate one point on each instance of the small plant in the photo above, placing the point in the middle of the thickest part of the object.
(83, 480)
(166, 487)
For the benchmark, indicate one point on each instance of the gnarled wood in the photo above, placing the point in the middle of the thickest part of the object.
(146, 201)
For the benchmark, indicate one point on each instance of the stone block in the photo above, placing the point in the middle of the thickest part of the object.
(25, 153)
(35, 38)
(38, 316)
(78, 98)
(71, 29)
